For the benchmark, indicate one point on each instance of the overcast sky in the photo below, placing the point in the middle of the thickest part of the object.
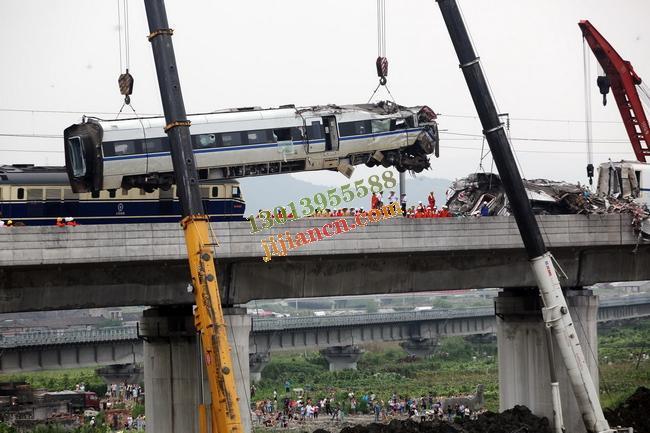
(64, 55)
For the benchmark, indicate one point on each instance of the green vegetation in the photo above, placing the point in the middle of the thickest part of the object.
(60, 380)
(458, 365)
(137, 410)
(385, 369)
(54, 428)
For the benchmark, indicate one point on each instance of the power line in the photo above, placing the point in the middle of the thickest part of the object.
(461, 116)
(29, 110)
(8, 134)
(551, 140)
(533, 119)
(31, 151)
(550, 152)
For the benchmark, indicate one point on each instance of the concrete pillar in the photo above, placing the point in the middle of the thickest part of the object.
(342, 357)
(173, 368)
(420, 347)
(239, 328)
(524, 376)
(257, 362)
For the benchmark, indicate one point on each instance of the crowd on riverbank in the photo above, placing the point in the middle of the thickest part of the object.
(293, 410)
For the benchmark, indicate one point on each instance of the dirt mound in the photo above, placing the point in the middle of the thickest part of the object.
(633, 412)
(517, 419)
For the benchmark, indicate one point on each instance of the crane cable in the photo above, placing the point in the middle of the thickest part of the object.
(381, 63)
(125, 80)
(589, 138)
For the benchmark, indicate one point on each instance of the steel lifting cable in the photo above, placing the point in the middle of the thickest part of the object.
(590, 146)
(381, 64)
(125, 80)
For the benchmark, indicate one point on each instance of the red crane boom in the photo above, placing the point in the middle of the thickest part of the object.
(620, 76)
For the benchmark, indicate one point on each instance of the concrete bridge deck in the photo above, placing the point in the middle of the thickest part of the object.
(47, 268)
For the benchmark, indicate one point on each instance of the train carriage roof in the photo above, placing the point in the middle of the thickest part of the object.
(28, 174)
(256, 113)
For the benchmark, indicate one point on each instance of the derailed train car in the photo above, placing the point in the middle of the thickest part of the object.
(134, 153)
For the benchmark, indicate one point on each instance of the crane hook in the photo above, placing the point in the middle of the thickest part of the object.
(603, 84)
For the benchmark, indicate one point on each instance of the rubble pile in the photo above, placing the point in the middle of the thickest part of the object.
(517, 419)
(467, 195)
(633, 412)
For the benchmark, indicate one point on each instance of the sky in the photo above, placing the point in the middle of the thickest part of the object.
(64, 56)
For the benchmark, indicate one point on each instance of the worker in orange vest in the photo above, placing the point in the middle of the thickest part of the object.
(432, 200)
(59, 222)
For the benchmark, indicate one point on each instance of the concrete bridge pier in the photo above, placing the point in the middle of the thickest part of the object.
(420, 347)
(524, 376)
(342, 357)
(257, 362)
(173, 363)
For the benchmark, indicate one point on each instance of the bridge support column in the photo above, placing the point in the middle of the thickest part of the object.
(257, 362)
(420, 347)
(524, 376)
(172, 368)
(342, 357)
(239, 329)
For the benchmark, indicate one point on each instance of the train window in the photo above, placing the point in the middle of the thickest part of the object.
(94, 194)
(380, 125)
(77, 157)
(257, 137)
(398, 124)
(154, 145)
(282, 134)
(111, 193)
(360, 127)
(20, 194)
(231, 138)
(204, 141)
(315, 131)
(297, 134)
(52, 194)
(235, 192)
(119, 148)
(215, 191)
(34, 194)
(69, 195)
(205, 192)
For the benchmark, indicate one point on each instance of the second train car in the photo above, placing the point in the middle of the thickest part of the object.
(34, 195)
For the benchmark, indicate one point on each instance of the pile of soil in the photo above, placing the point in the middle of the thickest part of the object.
(633, 412)
(518, 419)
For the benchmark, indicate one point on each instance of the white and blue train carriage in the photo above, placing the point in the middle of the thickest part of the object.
(134, 153)
(34, 195)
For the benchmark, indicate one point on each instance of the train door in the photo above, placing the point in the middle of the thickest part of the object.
(315, 136)
(331, 133)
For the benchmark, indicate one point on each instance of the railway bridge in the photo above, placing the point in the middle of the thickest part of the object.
(54, 268)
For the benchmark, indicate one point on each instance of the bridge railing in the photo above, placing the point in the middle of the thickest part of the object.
(275, 324)
(68, 336)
